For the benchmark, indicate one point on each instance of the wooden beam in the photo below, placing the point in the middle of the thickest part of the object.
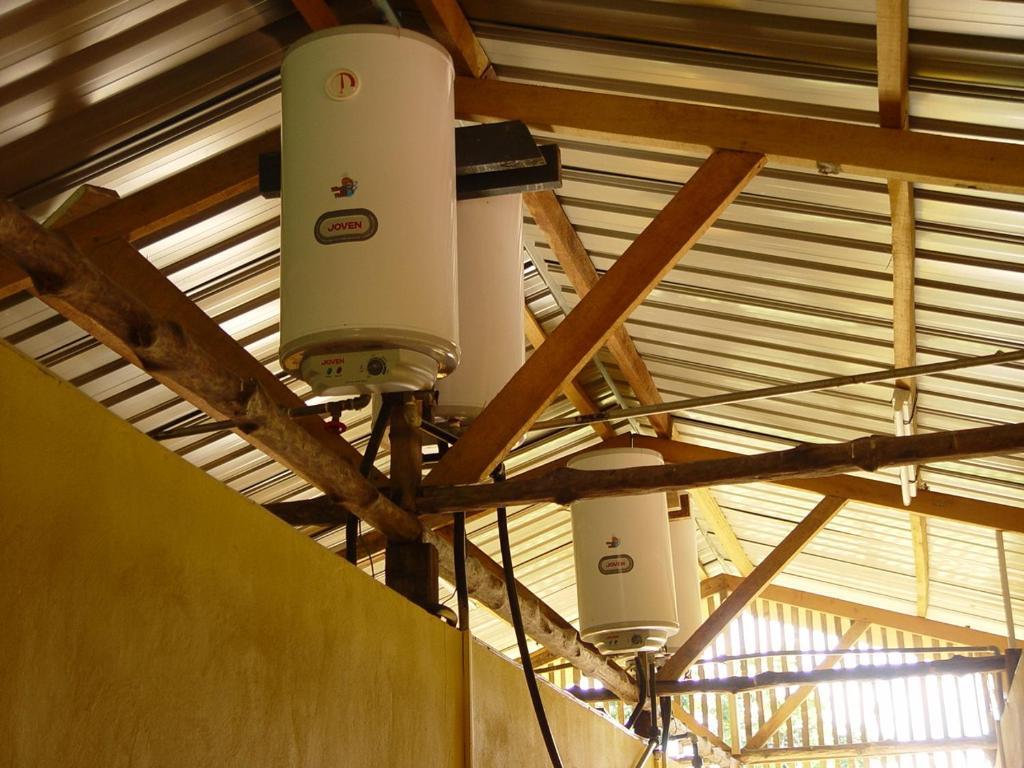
(550, 218)
(126, 301)
(657, 249)
(83, 201)
(411, 567)
(68, 280)
(795, 699)
(406, 449)
(206, 187)
(136, 276)
(12, 280)
(751, 587)
(901, 206)
(800, 141)
(876, 492)
(702, 731)
(893, 112)
(893, 79)
(152, 210)
(573, 390)
(317, 13)
(451, 28)
(717, 523)
(789, 755)
(922, 567)
(565, 485)
(904, 622)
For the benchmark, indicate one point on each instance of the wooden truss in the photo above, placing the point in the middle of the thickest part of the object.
(89, 269)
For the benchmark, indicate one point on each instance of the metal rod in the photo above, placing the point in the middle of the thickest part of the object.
(739, 684)
(329, 408)
(560, 301)
(1004, 578)
(853, 651)
(868, 377)
(386, 10)
(160, 433)
(438, 432)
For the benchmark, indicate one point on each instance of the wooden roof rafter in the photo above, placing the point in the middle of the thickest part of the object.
(830, 147)
(905, 622)
(16, 276)
(894, 112)
(450, 26)
(751, 586)
(652, 254)
(91, 274)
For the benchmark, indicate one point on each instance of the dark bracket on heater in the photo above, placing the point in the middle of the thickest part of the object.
(529, 179)
(490, 159)
(491, 147)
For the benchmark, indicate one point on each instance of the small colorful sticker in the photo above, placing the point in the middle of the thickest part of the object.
(346, 188)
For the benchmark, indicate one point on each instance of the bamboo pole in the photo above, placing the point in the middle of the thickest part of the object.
(1004, 581)
(958, 665)
(565, 485)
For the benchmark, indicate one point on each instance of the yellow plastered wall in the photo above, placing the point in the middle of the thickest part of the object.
(1011, 724)
(150, 617)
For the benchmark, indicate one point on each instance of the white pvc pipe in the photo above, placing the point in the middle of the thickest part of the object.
(1004, 578)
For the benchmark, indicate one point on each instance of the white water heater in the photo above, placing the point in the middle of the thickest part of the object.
(490, 238)
(683, 537)
(368, 270)
(624, 579)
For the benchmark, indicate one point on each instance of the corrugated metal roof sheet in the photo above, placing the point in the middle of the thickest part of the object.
(793, 283)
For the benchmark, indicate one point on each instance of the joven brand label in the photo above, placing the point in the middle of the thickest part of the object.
(610, 564)
(345, 226)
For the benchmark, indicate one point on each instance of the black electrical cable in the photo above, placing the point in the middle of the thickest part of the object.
(352, 539)
(698, 761)
(461, 584)
(641, 699)
(524, 651)
(666, 723)
(352, 524)
(652, 687)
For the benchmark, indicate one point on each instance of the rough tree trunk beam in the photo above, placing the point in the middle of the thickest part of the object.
(59, 272)
(565, 485)
(73, 285)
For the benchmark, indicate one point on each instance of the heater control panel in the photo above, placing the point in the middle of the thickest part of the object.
(368, 371)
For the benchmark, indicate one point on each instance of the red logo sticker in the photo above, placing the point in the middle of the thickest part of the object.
(342, 84)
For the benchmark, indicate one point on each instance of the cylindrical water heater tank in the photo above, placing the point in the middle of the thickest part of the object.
(490, 238)
(683, 537)
(368, 271)
(623, 559)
